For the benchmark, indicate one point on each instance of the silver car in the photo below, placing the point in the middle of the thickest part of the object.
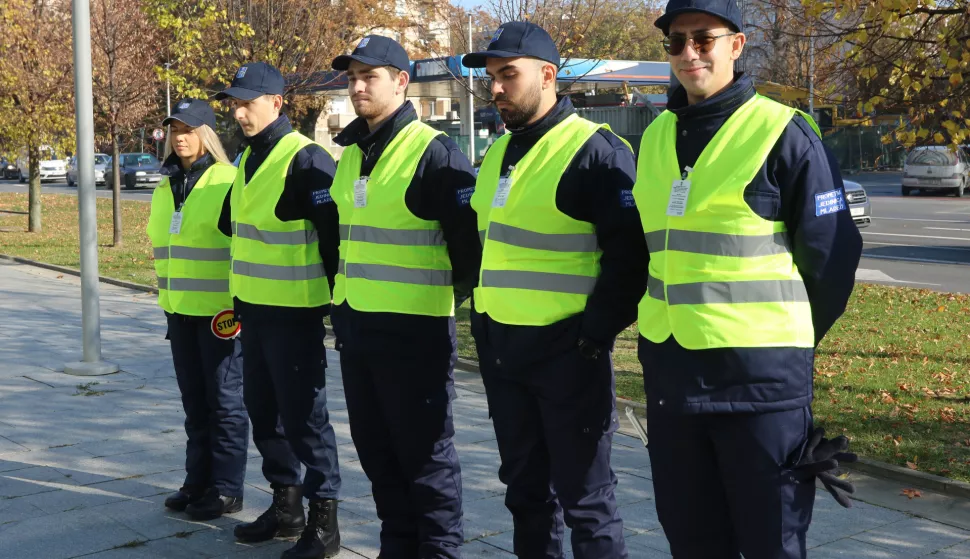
(101, 163)
(936, 168)
(858, 202)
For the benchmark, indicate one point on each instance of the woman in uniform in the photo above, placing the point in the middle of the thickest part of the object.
(192, 263)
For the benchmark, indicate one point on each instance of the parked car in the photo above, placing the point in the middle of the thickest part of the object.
(101, 163)
(936, 168)
(858, 201)
(8, 169)
(136, 169)
(50, 170)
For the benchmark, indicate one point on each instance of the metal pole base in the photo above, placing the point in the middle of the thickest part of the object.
(88, 369)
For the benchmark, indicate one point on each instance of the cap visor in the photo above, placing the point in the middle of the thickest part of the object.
(342, 63)
(192, 121)
(478, 59)
(238, 93)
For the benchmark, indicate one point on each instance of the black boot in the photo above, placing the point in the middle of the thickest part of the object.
(184, 497)
(213, 505)
(283, 519)
(321, 538)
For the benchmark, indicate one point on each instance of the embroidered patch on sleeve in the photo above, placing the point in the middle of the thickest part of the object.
(626, 199)
(464, 195)
(321, 197)
(829, 202)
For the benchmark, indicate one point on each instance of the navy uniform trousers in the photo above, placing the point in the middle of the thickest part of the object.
(402, 425)
(285, 392)
(554, 422)
(723, 485)
(209, 371)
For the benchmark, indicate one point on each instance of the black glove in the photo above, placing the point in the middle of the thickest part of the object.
(821, 457)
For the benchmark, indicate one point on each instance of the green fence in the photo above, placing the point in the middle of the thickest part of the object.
(860, 148)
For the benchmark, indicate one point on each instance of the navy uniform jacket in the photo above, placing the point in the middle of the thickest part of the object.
(312, 169)
(596, 188)
(826, 250)
(441, 191)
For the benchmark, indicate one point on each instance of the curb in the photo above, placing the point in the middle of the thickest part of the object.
(920, 479)
(77, 273)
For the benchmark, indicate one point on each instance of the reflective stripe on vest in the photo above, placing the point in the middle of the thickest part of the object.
(251, 232)
(720, 275)
(538, 264)
(275, 263)
(390, 260)
(193, 265)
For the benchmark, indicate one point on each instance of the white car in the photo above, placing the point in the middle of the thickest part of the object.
(50, 170)
(933, 168)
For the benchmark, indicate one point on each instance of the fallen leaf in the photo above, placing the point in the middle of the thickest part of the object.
(911, 466)
(910, 493)
(59, 276)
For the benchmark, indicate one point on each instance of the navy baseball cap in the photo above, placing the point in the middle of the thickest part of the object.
(515, 39)
(727, 10)
(374, 50)
(194, 112)
(253, 80)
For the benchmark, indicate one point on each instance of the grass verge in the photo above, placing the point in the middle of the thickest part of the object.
(893, 374)
(58, 242)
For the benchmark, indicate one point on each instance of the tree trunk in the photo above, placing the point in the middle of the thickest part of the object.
(33, 196)
(115, 190)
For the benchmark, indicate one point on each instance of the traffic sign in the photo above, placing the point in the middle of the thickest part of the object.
(158, 135)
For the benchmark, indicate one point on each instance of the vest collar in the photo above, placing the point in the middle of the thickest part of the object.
(721, 105)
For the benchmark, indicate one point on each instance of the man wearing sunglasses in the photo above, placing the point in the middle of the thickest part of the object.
(752, 259)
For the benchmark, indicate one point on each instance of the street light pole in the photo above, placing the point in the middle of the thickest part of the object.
(168, 93)
(91, 363)
(471, 99)
(811, 75)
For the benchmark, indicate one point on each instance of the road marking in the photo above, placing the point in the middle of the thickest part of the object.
(946, 229)
(926, 220)
(863, 274)
(917, 236)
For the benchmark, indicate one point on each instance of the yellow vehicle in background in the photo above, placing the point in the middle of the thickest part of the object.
(827, 114)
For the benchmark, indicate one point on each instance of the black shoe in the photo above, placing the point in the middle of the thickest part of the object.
(283, 519)
(321, 538)
(213, 505)
(184, 497)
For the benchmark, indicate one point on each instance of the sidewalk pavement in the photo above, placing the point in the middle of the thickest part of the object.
(85, 462)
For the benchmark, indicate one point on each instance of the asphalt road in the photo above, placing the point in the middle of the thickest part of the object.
(918, 241)
(142, 194)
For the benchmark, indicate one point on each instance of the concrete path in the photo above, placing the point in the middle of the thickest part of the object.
(85, 462)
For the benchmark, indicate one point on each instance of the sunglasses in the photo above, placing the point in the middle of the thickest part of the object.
(702, 44)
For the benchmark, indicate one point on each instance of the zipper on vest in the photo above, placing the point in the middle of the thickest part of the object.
(686, 173)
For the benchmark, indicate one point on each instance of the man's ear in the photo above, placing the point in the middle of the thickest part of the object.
(403, 79)
(549, 72)
(737, 45)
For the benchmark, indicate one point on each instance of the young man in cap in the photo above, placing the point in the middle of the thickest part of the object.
(409, 248)
(752, 259)
(562, 270)
(283, 250)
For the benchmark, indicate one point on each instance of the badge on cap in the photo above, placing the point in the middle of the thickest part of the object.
(363, 42)
(225, 326)
(184, 105)
(498, 33)
(241, 73)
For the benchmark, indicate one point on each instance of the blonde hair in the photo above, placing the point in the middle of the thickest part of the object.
(210, 143)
